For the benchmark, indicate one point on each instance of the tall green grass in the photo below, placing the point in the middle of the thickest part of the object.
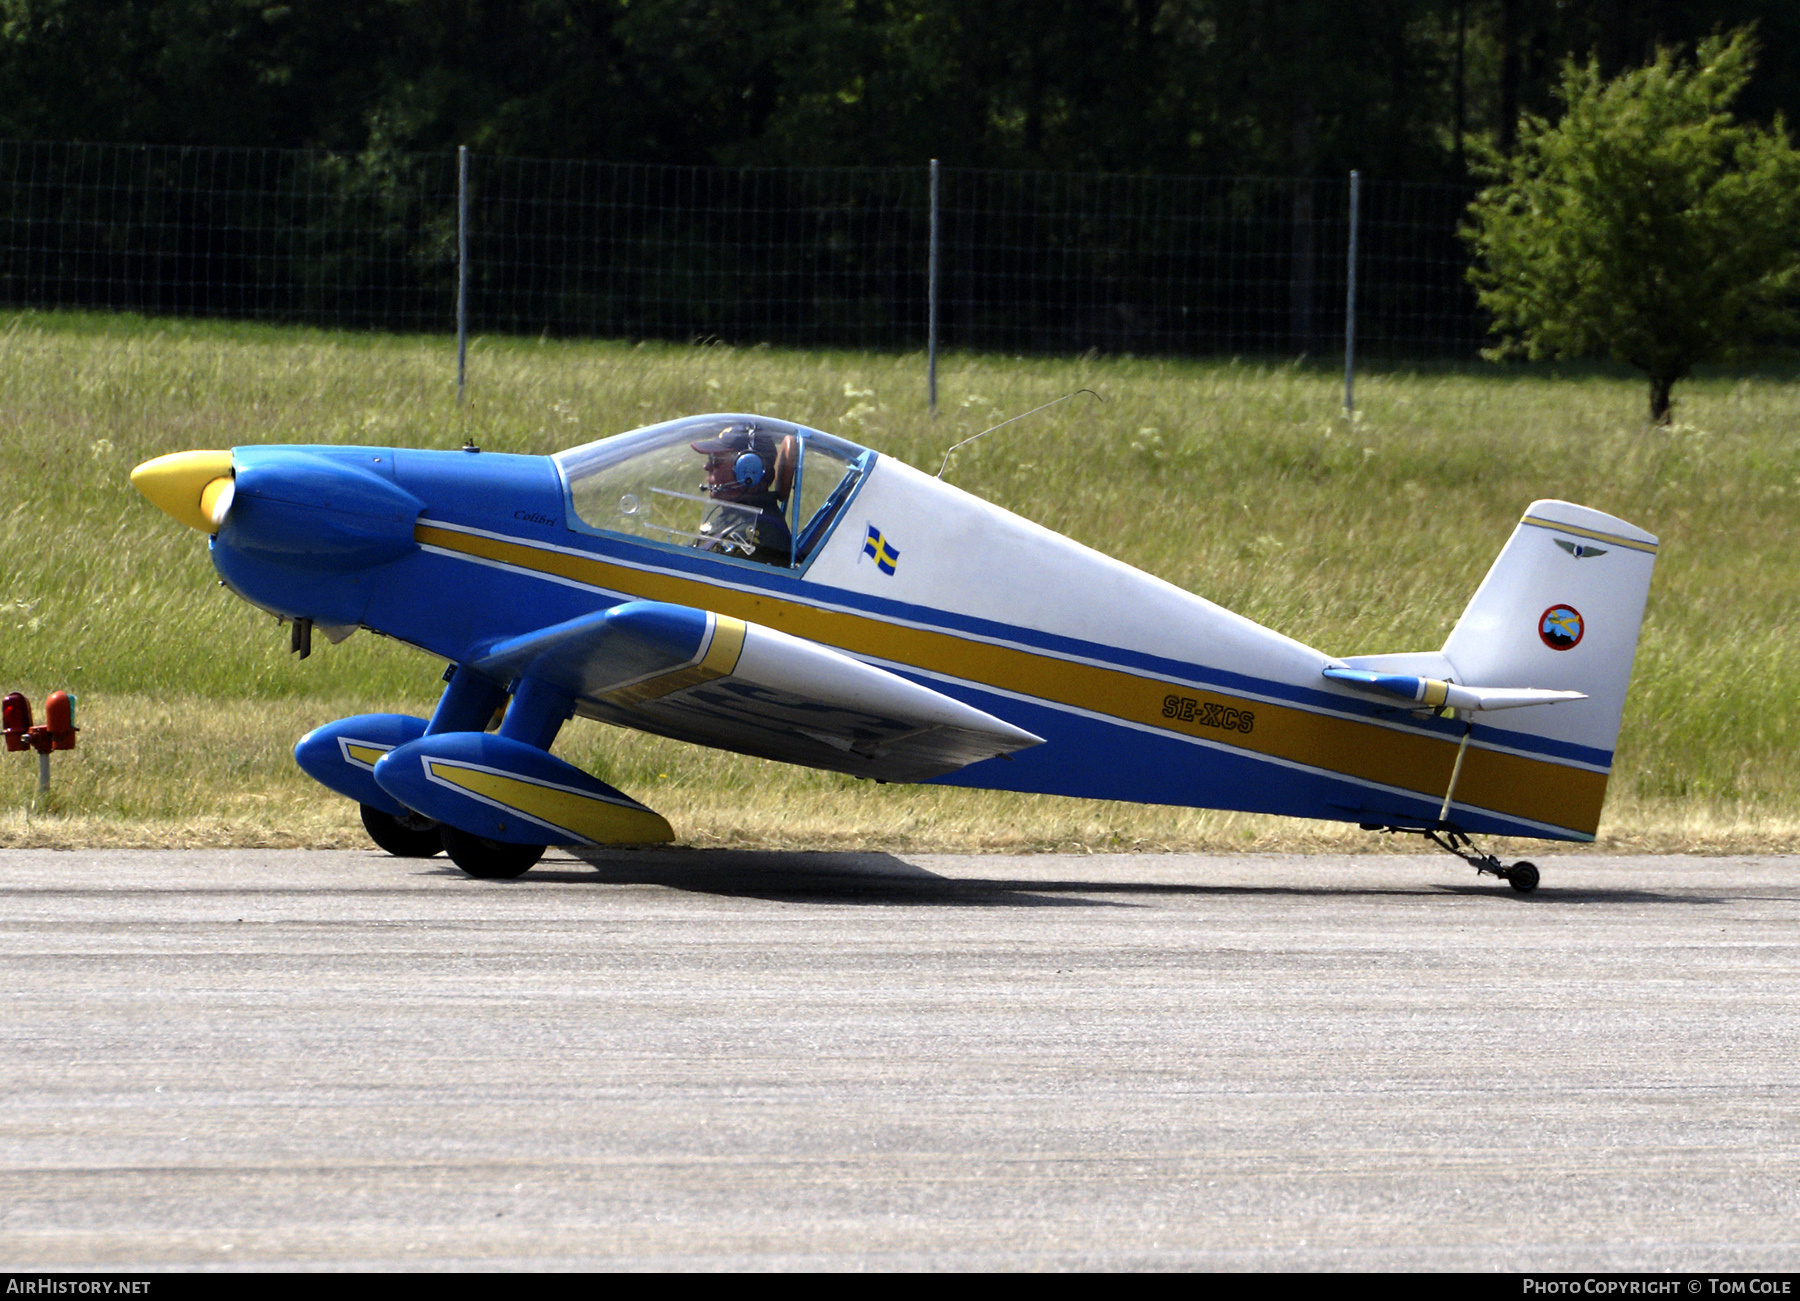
(1241, 481)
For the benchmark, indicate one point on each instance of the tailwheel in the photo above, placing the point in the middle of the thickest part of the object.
(1522, 877)
(411, 835)
(491, 860)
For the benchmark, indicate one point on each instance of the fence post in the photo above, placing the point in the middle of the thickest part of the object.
(931, 301)
(462, 269)
(1350, 298)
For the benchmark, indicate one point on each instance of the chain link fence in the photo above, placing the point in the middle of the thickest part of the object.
(811, 257)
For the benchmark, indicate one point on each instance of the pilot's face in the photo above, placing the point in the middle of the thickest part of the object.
(719, 469)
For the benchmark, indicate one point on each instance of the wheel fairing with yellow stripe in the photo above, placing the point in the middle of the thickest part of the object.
(341, 756)
(508, 791)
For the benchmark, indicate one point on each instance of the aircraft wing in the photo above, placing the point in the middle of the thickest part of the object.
(723, 682)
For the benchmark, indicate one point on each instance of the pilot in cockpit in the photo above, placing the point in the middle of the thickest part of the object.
(749, 475)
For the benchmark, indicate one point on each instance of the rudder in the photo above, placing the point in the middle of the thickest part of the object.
(1560, 609)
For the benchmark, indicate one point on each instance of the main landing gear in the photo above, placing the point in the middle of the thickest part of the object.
(468, 705)
(1521, 876)
(413, 835)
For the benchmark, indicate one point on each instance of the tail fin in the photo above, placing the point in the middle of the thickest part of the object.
(1540, 660)
(1560, 610)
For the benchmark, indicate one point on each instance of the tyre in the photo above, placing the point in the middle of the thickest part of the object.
(491, 860)
(412, 835)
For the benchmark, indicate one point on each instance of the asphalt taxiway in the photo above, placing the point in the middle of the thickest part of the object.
(684, 1059)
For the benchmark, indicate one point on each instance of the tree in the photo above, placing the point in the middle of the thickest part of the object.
(1648, 224)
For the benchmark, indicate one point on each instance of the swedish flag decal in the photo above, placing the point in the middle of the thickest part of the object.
(886, 558)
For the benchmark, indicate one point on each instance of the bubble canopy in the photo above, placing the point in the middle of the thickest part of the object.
(739, 486)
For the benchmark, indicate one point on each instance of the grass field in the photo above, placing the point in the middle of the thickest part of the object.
(1242, 482)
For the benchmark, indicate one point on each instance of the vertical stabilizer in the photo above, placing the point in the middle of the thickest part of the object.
(1560, 610)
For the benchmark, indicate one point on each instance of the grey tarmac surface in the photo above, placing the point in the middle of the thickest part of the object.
(684, 1059)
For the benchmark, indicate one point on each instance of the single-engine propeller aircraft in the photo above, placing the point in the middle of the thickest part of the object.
(757, 586)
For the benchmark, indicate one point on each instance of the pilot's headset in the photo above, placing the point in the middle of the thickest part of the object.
(749, 471)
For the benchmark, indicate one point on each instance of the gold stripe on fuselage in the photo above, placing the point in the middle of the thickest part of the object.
(1532, 789)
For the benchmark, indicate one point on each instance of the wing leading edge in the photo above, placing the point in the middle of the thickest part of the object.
(713, 680)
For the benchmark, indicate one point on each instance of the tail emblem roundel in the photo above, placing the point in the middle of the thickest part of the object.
(1561, 627)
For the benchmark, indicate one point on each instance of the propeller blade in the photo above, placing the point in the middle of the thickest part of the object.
(216, 499)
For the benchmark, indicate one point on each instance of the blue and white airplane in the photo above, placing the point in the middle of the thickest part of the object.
(754, 585)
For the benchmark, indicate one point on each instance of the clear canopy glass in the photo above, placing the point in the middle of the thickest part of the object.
(744, 486)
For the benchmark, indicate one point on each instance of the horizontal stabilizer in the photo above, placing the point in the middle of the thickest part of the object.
(1434, 693)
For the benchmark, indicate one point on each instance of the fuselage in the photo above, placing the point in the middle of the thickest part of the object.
(1141, 691)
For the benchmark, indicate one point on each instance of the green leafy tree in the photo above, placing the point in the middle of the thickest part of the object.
(1648, 224)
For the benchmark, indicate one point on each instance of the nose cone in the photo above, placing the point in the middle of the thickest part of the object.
(182, 484)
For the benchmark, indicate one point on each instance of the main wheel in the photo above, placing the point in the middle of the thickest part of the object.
(1523, 877)
(412, 835)
(491, 860)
